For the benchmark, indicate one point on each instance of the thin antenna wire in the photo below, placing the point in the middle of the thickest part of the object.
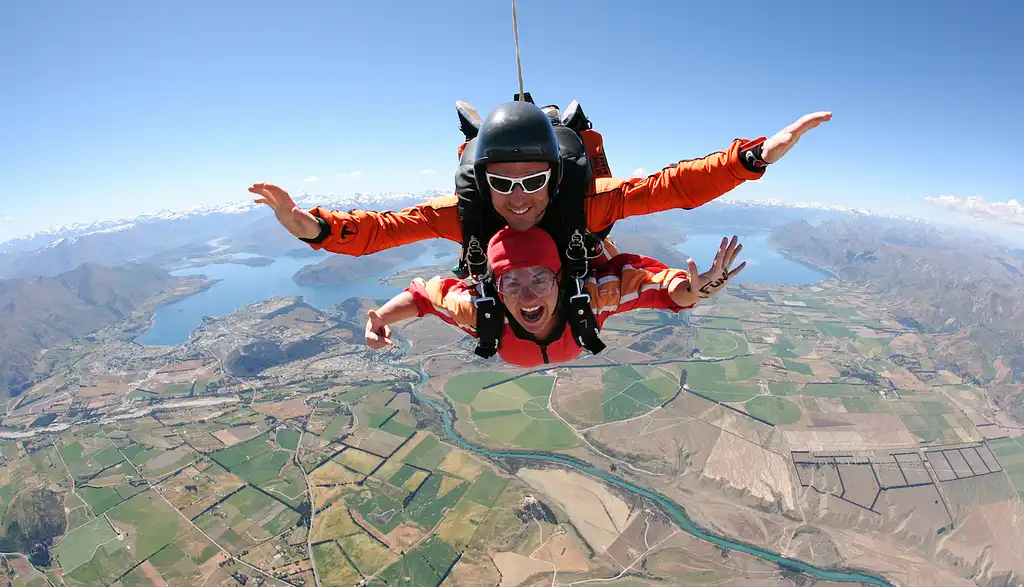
(519, 65)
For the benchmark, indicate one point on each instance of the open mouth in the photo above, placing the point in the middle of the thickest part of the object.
(520, 211)
(532, 315)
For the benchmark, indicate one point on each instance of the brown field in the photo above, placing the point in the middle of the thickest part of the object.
(889, 474)
(168, 462)
(749, 467)
(193, 490)
(516, 568)
(375, 440)
(913, 468)
(597, 513)
(105, 391)
(971, 539)
(645, 532)
(368, 555)
(394, 463)
(905, 380)
(404, 536)
(458, 527)
(475, 568)
(859, 483)
(358, 460)
(150, 572)
(334, 523)
(849, 432)
(333, 473)
(283, 410)
(199, 438)
(823, 369)
(920, 509)
(666, 440)
(462, 464)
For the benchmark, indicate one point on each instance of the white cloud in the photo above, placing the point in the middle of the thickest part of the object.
(311, 179)
(8, 217)
(639, 172)
(353, 173)
(1011, 212)
(428, 172)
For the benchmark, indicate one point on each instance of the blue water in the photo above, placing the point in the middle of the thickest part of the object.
(241, 285)
(764, 264)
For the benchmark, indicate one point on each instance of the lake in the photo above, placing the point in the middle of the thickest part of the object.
(764, 264)
(241, 285)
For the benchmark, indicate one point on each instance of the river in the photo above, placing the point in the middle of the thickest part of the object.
(677, 512)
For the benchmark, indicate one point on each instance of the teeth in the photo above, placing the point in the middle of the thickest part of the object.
(521, 211)
(533, 309)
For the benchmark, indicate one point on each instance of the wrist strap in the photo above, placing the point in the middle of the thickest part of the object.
(752, 156)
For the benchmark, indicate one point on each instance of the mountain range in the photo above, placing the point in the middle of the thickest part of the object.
(251, 228)
(964, 295)
(39, 313)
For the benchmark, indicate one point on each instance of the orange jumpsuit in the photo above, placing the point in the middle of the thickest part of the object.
(686, 185)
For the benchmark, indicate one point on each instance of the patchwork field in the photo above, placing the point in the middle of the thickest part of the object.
(510, 413)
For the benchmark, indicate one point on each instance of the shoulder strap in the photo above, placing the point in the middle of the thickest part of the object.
(472, 210)
(581, 318)
(490, 319)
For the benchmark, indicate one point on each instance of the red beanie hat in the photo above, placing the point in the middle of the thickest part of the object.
(516, 249)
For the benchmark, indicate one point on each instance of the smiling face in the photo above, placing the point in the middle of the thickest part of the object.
(520, 209)
(531, 296)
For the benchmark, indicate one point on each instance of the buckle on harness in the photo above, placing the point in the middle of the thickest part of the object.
(483, 297)
(475, 256)
(580, 294)
(576, 242)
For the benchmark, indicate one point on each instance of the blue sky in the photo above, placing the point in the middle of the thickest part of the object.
(115, 107)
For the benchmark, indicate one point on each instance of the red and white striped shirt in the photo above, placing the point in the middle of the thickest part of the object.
(624, 283)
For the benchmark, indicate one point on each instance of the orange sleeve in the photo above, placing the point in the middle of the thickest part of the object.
(361, 232)
(686, 185)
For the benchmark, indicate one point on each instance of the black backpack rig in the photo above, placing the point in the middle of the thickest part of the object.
(565, 220)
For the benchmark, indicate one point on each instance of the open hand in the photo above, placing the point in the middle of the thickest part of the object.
(778, 145)
(300, 223)
(708, 284)
(378, 333)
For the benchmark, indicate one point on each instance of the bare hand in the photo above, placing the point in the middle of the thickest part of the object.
(300, 223)
(378, 334)
(775, 147)
(708, 284)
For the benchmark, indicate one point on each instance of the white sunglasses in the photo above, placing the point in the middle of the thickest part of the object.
(530, 183)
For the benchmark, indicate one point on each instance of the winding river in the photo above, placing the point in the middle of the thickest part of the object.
(677, 511)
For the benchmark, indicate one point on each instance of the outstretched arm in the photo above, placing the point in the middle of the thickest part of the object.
(378, 322)
(448, 299)
(693, 183)
(362, 232)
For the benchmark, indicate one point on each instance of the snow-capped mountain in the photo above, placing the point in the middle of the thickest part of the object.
(244, 226)
(52, 235)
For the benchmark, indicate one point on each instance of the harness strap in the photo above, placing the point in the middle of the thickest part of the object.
(582, 320)
(490, 319)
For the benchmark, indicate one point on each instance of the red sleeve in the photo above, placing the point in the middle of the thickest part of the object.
(449, 299)
(629, 282)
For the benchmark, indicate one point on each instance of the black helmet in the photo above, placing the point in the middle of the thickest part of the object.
(516, 131)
